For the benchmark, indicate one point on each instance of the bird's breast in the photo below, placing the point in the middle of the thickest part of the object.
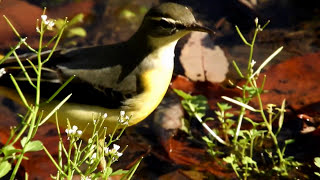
(155, 76)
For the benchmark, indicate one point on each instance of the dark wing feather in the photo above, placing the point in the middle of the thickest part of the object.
(65, 63)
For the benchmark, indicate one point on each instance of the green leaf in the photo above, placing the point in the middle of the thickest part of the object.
(224, 106)
(119, 172)
(317, 161)
(296, 163)
(218, 113)
(230, 159)
(251, 90)
(231, 132)
(59, 23)
(248, 160)
(5, 167)
(267, 61)
(228, 115)
(316, 173)
(255, 132)
(230, 121)
(277, 168)
(193, 104)
(208, 141)
(132, 170)
(237, 69)
(108, 171)
(209, 119)
(33, 146)
(127, 14)
(55, 109)
(77, 31)
(185, 125)
(23, 141)
(251, 121)
(9, 150)
(201, 104)
(244, 142)
(77, 19)
(182, 94)
(289, 141)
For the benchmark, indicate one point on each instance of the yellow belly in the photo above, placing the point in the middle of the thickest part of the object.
(155, 84)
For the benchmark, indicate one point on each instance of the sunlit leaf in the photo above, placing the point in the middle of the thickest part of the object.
(5, 167)
(317, 161)
(230, 159)
(34, 146)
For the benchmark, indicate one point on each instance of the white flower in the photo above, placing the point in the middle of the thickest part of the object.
(105, 115)
(123, 119)
(73, 131)
(44, 17)
(113, 153)
(94, 155)
(2, 72)
(119, 154)
(92, 158)
(92, 147)
(116, 147)
(49, 23)
(122, 113)
(106, 150)
(74, 127)
(253, 62)
(79, 132)
(256, 21)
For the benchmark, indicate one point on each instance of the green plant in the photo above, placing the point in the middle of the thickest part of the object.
(78, 153)
(196, 107)
(246, 143)
(92, 153)
(31, 121)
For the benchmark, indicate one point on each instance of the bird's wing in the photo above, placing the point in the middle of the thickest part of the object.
(102, 76)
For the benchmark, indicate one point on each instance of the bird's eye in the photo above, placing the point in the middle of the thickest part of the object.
(165, 24)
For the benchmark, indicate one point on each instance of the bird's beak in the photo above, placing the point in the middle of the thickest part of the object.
(198, 27)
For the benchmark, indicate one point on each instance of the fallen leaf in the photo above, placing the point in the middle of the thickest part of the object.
(202, 60)
(296, 80)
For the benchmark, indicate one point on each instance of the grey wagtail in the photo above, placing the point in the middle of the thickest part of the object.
(132, 76)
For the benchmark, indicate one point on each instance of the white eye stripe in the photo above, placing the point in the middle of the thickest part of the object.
(169, 20)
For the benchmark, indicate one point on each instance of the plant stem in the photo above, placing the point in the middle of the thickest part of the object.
(15, 170)
(210, 130)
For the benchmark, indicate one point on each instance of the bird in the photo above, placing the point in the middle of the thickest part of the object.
(131, 76)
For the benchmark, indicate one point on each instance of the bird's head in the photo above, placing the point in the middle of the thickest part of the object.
(168, 22)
